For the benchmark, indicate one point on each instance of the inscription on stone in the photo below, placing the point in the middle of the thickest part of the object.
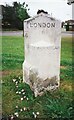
(44, 25)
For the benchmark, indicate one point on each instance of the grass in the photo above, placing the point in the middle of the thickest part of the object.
(56, 104)
(12, 52)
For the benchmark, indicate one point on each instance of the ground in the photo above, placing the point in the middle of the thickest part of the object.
(19, 100)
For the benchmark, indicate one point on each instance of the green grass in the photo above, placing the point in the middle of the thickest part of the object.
(56, 104)
(12, 52)
(66, 52)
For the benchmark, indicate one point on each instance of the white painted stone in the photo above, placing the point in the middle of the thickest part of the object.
(41, 67)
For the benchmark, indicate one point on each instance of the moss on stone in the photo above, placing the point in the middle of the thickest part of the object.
(39, 85)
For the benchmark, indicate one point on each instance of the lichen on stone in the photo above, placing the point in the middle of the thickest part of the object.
(37, 84)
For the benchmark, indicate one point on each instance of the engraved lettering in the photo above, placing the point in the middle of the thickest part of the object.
(31, 25)
(44, 25)
(48, 25)
(52, 24)
(35, 24)
(39, 24)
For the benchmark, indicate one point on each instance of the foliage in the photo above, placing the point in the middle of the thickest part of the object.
(21, 11)
(13, 16)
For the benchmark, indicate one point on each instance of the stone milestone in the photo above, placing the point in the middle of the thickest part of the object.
(41, 67)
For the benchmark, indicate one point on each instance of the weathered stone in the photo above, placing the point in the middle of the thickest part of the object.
(41, 68)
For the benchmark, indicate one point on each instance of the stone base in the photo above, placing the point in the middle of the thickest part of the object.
(37, 84)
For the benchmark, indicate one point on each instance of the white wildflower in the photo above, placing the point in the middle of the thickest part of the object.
(24, 96)
(27, 98)
(16, 113)
(16, 83)
(33, 113)
(35, 116)
(17, 86)
(16, 106)
(21, 99)
(12, 117)
(21, 110)
(16, 92)
(22, 90)
(19, 92)
(14, 80)
(37, 113)
(23, 93)
(24, 108)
